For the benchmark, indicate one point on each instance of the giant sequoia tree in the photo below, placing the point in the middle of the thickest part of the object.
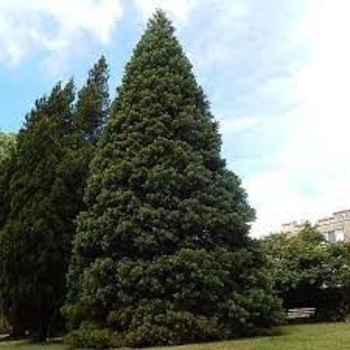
(42, 195)
(162, 254)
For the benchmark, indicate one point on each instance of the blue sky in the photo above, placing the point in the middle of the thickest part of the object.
(276, 72)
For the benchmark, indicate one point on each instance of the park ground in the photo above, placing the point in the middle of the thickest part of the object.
(334, 336)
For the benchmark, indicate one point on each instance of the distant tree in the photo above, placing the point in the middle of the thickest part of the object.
(311, 272)
(162, 253)
(298, 258)
(7, 144)
(7, 154)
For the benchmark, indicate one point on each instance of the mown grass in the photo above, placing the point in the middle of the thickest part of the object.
(19, 345)
(335, 336)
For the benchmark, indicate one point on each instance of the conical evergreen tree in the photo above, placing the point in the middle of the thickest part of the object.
(89, 117)
(162, 255)
(93, 103)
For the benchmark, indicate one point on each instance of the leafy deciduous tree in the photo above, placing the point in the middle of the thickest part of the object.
(311, 272)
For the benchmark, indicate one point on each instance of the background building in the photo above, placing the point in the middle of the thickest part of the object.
(335, 228)
(293, 227)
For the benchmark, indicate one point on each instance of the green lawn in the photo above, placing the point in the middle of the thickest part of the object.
(306, 337)
(25, 346)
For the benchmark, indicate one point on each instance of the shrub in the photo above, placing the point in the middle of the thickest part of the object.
(89, 336)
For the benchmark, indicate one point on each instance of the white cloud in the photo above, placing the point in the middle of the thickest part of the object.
(311, 177)
(293, 57)
(229, 126)
(224, 21)
(53, 26)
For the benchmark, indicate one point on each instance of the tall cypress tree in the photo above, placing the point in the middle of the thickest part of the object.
(43, 197)
(32, 241)
(162, 254)
(92, 107)
(89, 117)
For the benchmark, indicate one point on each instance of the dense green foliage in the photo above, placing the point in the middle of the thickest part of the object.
(311, 272)
(162, 253)
(42, 189)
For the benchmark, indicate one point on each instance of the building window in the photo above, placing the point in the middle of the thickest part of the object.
(339, 234)
(331, 237)
(334, 236)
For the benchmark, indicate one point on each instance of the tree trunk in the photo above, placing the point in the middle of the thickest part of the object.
(40, 335)
(18, 332)
(16, 322)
